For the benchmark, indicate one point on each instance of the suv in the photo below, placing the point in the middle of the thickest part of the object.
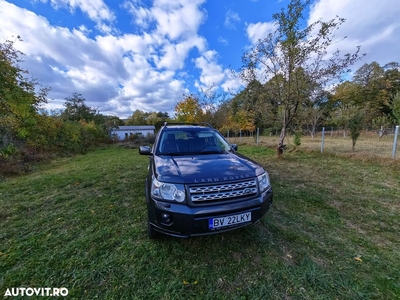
(198, 184)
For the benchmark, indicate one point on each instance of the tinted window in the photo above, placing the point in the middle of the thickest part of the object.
(181, 141)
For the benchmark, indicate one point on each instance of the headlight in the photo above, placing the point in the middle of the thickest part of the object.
(263, 182)
(168, 191)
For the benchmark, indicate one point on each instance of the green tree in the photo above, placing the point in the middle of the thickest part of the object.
(20, 98)
(297, 60)
(356, 124)
(44, 137)
(347, 93)
(392, 78)
(111, 121)
(222, 115)
(313, 112)
(254, 105)
(372, 97)
(77, 110)
(138, 117)
(382, 123)
(396, 108)
(153, 118)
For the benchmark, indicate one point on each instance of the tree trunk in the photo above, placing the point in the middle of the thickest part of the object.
(281, 146)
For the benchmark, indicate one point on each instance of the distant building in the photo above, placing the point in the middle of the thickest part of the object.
(123, 132)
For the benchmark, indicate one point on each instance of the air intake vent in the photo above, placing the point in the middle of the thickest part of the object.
(237, 190)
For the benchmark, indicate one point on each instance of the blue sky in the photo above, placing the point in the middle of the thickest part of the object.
(134, 54)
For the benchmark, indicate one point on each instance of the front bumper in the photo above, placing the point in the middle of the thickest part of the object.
(183, 221)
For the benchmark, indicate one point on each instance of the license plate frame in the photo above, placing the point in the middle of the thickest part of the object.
(228, 221)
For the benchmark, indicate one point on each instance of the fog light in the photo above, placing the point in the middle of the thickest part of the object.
(165, 218)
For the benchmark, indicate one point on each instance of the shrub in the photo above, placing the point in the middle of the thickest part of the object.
(297, 138)
(355, 126)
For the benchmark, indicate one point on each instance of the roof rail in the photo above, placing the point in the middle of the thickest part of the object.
(194, 124)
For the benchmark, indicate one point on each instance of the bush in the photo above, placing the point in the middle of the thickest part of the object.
(297, 138)
(356, 123)
(9, 150)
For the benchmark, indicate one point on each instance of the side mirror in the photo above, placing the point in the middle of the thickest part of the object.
(234, 147)
(144, 150)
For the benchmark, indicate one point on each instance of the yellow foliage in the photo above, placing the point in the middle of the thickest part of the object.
(189, 110)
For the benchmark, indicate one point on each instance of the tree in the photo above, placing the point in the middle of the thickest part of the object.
(370, 80)
(314, 112)
(392, 86)
(392, 78)
(189, 110)
(382, 123)
(20, 98)
(347, 92)
(138, 118)
(297, 60)
(356, 124)
(222, 116)
(77, 110)
(372, 89)
(254, 105)
(396, 108)
(345, 102)
(210, 100)
(368, 74)
(153, 118)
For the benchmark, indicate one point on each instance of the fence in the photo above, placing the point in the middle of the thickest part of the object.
(370, 143)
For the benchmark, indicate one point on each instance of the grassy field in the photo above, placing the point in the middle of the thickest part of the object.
(368, 144)
(80, 223)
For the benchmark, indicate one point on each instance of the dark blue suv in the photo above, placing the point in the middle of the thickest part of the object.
(198, 184)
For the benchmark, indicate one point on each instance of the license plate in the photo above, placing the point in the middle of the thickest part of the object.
(229, 221)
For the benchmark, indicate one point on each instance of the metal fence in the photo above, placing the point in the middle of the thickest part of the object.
(329, 140)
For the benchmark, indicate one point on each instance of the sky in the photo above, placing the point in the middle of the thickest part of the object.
(136, 54)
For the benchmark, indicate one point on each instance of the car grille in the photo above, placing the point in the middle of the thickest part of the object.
(204, 193)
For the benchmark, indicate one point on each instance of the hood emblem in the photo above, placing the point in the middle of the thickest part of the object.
(225, 178)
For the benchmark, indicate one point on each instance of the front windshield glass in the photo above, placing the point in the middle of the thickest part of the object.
(191, 141)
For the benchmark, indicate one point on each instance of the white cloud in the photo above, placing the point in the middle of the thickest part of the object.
(374, 25)
(213, 75)
(260, 30)
(118, 74)
(173, 56)
(175, 20)
(223, 41)
(231, 83)
(147, 65)
(231, 18)
(96, 10)
(141, 16)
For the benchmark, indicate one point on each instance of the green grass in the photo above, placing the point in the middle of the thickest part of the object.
(80, 223)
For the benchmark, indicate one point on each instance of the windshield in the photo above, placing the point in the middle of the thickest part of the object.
(191, 141)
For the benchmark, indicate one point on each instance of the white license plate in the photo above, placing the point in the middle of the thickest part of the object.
(229, 221)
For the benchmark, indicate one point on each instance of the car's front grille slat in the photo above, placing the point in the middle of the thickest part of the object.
(203, 193)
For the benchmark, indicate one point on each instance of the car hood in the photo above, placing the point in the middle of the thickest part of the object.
(205, 168)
